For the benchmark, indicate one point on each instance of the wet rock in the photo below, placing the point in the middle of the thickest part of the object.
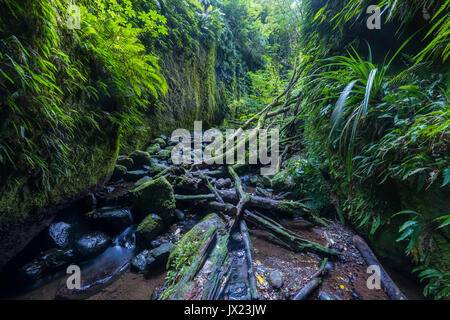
(164, 154)
(141, 181)
(109, 219)
(152, 258)
(118, 173)
(156, 168)
(159, 141)
(140, 158)
(154, 196)
(149, 229)
(179, 214)
(125, 161)
(49, 262)
(283, 181)
(91, 245)
(154, 149)
(275, 279)
(253, 180)
(133, 176)
(59, 234)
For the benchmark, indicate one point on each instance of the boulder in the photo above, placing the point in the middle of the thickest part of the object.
(153, 149)
(109, 219)
(59, 234)
(156, 168)
(179, 214)
(165, 154)
(154, 196)
(140, 158)
(149, 229)
(133, 176)
(152, 258)
(46, 264)
(125, 161)
(141, 181)
(91, 245)
(283, 181)
(118, 173)
(159, 141)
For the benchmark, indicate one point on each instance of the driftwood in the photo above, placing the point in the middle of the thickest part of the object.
(312, 285)
(389, 286)
(296, 242)
(249, 254)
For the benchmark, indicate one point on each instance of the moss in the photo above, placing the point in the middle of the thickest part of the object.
(154, 196)
(149, 228)
(160, 142)
(180, 263)
(283, 181)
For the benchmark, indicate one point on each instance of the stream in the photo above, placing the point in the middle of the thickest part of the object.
(102, 242)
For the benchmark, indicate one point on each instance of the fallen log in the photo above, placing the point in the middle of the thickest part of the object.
(249, 256)
(388, 284)
(296, 242)
(243, 196)
(312, 285)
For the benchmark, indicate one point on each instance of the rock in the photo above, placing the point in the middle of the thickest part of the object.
(149, 229)
(163, 137)
(133, 176)
(49, 262)
(142, 262)
(59, 234)
(253, 180)
(283, 181)
(162, 143)
(140, 158)
(125, 161)
(154, 149)
(165, 154)
(275, 279)
(154, 196)
(156, 168)
(152, 258)
(91, 245)
(179, 214)
(110, 219)
(141, 181)
(118, 173)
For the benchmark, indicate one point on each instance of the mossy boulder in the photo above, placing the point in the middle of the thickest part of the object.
(164, 154)
(156, 168)
(118, 173)
(154, 149)
(160, 141)
(140, 159)
(126, 162)
(149, 229)
(154, 196)
(283, 181)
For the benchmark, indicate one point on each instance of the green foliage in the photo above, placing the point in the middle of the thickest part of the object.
(48, 72)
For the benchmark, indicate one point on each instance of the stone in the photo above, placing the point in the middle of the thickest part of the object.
(59, 234)
(133, 176)
(154, 196)
(159, 141)
(149, 229)
(91, 245)
(165, 154)
(140, 158)
(110, 219)
(156, 168)
(118, 173)
(141, 181)
(283, 181)
(148, 259)
(153, 149)
(46, 264)
(125, 161)
(275, 279)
